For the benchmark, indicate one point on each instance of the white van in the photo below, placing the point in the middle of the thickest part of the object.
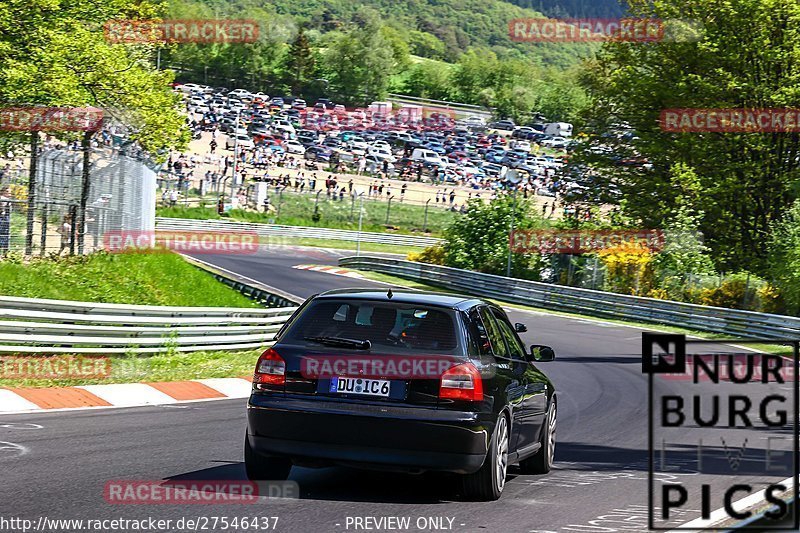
(383, 109)
(559, 129)
(426, 156)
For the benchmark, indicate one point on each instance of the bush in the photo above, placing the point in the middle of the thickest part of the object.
(479, 240)
(629, 268)
(770, 299)
(433, 255)
(731, 294)
(784, 258)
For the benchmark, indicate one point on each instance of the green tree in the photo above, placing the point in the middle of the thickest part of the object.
(479, 240)
(746, 180)
(56, 54)
(684, 253)
(300, 63)
(260, 65)
(473, 74)
(429, 79)
(360, 63)
(784, 257)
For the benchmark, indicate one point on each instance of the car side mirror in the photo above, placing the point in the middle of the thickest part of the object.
(541, 354)
(520, 328)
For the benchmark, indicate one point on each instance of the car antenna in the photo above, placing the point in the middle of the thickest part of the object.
(389, 294)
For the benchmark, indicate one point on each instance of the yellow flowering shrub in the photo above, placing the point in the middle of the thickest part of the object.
(629, 268)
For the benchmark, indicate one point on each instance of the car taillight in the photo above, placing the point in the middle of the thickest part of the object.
(270, 369)
(461, 382)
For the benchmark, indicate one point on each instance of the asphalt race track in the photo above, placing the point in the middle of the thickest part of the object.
(59, 469)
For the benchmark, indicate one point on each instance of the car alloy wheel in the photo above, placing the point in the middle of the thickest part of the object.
(501, 461)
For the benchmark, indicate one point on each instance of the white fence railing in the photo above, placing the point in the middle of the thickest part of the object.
(297, 232)
(745, 324)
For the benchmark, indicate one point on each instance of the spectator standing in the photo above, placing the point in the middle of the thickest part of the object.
(65, 230)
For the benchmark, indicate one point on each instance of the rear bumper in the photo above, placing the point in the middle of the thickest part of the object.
(369, 435)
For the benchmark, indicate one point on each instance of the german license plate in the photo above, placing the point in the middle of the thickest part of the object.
(369, 387)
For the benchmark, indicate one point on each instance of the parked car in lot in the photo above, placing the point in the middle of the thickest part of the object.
(382, 153)
(242, 141)
(555, 142)
(318, 153)
(479, 406)
(294, 147)
(504, 126)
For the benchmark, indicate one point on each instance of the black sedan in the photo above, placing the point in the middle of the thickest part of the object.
(405, 381)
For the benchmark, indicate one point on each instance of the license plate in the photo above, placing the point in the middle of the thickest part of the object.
(369, 387)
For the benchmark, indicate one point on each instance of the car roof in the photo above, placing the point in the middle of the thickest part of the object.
(406, 296)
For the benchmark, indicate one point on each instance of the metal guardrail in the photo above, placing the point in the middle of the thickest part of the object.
(744, 324)
(76, 327)
(464, 109)
(39, 326)
(298, 232)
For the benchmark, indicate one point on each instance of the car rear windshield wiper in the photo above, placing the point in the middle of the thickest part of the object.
(341, 341)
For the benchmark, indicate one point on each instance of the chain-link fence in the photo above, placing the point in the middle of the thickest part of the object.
(320, 199)
(70, 210)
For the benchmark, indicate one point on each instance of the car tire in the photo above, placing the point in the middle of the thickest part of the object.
(542, 462)
(487, 483)
(263, 467)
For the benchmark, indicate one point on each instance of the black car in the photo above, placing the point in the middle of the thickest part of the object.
(473, 403)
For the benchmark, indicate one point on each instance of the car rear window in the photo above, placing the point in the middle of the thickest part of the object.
(388, 326)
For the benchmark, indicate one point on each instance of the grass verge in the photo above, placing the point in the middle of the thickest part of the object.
(344, 245)
(154, 278)
(299, 209)
(126, 278)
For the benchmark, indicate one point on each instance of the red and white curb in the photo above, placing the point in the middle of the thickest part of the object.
(331, 270)
(28, 400)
